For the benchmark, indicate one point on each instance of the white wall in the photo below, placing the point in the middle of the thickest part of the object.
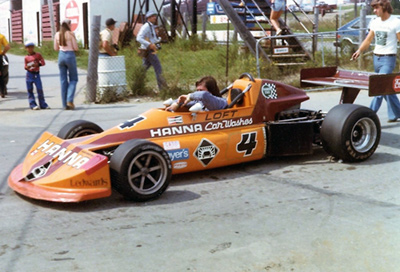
(4, 17)
(29, 19)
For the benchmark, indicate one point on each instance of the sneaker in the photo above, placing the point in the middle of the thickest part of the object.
(392, 120)
(35, 108)
(278, 32)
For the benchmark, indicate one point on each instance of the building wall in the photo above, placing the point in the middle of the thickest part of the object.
(4, 19)
(30, 22)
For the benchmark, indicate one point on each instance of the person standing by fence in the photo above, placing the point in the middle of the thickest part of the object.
(106, 44)
(4, 47)
(65, 43)
(386, 31)
(149, 41)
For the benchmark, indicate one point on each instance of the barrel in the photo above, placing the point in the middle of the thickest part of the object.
(111, 74)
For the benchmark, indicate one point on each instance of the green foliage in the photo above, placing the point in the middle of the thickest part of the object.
(110, 95)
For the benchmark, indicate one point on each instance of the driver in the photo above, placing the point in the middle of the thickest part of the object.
(207, 93)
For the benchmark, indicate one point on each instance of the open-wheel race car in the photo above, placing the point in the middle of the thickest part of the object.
(138, 157)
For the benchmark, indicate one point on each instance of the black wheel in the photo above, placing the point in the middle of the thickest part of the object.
(140, 170)
(78, 128)
(347, 49)
(351, 132)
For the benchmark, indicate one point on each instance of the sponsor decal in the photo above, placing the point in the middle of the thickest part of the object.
(63, 155)
(171, 145)
(176, 120)
(180, 165)
(88, 183)
(178, 154)
(269, 91)
(169, 131)
(185, 129)
(396, 84)
(247, 144)
(38, 172)
(221, 115)
(131, 123)
(206, 152)
(228, 124)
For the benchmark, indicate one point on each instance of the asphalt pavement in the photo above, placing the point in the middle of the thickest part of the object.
(302, 213)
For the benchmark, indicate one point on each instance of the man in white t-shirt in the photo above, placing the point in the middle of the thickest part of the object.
(106, 44)
(386, 30)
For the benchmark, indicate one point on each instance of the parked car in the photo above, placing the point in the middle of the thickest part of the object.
(349, 35)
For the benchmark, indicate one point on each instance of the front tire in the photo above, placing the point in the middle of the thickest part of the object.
(351, 132)
(78, 128)
(140, 170)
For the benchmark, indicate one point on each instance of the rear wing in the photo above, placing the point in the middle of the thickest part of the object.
(351, 82)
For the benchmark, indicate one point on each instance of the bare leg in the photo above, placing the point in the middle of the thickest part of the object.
(275, 15)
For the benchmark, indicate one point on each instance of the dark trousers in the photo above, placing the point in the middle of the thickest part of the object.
(3, 77)
(152, 60)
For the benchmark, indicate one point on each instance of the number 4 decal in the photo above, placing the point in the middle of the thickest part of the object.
(247, 144)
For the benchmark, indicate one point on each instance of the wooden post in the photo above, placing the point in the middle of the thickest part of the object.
(93, 59)
(51, 13)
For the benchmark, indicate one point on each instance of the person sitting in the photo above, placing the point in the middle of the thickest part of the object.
(207, 94)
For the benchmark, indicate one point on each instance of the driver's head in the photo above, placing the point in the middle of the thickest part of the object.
(208, 83)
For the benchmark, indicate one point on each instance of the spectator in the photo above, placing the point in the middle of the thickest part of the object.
(65, 43)
(277, 7)
(4, 47)
(149, 41)
(33, 61)
(207, 93)
(106, 44)
(386, 31)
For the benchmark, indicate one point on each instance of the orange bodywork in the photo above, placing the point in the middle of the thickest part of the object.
(76, 169)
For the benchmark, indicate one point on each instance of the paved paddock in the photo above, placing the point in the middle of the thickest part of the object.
(282, 214)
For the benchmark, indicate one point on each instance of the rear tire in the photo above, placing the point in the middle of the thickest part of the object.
(140, 170)
(351, 132)
(78, 128)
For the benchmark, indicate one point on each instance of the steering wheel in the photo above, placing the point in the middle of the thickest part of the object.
(248, 75)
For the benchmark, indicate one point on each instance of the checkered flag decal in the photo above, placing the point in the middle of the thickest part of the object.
(269, 91)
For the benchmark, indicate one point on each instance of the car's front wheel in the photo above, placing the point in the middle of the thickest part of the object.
(351, 132)
(78, 128)
(140, 170)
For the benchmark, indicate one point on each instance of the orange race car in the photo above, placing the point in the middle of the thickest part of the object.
(138, 157)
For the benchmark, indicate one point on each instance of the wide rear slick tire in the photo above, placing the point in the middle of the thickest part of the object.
(78, 128)
(140, 170)
(351, 132)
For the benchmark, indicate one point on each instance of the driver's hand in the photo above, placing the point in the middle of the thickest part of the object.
(174, 106)
(184, 99)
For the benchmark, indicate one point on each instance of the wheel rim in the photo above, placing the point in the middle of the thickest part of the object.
(363, 135)
(147, 172)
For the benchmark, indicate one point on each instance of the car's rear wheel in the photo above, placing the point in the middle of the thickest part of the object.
(140, 170)
(351, 132)
(78, 128)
